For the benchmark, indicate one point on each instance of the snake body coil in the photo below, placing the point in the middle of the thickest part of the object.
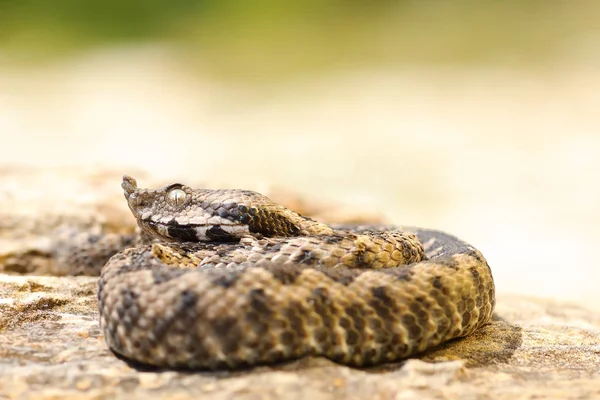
(235, 280)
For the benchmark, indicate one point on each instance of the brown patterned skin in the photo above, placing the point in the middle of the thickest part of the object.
(239, 281)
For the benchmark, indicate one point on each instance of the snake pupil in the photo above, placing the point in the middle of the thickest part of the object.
(176, 197)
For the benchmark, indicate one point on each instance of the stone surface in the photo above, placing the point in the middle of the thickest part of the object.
(51, 346)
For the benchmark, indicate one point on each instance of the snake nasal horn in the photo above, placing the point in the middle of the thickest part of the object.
(129, 184)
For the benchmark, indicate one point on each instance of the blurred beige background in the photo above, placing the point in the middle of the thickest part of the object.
(478, 120)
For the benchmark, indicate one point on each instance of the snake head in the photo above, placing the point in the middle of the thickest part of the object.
(178, 213)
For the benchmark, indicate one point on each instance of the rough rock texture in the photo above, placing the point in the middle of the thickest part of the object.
(51, 346)
(35, 202)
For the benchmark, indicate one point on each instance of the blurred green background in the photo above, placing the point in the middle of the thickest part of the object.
(268, 39)
(475, 117)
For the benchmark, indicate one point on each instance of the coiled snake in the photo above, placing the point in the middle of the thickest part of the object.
(233, 279)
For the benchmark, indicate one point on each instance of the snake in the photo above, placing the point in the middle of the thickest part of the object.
(229, 279)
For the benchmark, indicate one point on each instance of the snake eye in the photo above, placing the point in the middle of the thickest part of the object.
(176, 197)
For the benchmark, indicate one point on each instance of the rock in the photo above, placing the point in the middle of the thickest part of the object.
(35, 202)
(51, 345)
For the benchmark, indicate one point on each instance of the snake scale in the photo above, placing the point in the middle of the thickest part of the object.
(232, 280)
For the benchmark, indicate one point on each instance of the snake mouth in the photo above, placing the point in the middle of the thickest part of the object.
(195, 232)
